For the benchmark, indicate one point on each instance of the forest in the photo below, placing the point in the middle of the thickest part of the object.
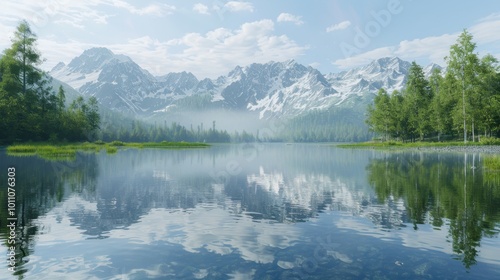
(332, 125)
(464, 101)
(115, 127)
(29, 106)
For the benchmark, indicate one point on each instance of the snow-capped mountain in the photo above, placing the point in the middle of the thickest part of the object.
(389, 73)
(115, 80)
(431, 68)
(274, 89)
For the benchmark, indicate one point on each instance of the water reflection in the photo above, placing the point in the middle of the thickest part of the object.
(435, 188)
(258, 211)
(40, 186)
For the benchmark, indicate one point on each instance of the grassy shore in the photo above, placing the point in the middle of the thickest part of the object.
(422, 144)
(395, 144)
(63, 151)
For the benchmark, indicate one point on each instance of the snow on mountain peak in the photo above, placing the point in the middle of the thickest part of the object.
(98, 51)
(58, 67)
(387, 64)
(273, 89)
(431, 68)
(90, 60)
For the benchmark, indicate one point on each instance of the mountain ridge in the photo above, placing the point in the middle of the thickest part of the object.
(272, 90)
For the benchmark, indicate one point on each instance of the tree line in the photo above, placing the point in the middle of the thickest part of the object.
(30, 109)
(464, 101)
(128, 130)
(331, 125)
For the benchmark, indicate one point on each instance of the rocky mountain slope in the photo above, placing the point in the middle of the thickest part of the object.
(272, 90)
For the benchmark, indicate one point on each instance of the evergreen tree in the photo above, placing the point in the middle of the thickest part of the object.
(61, 99)
(379, 115)
(442, 102)
(417, 97)
(398, 118)
(19, 77)
(489, 97)
(93, 117)
(29, 107)
(26, 57)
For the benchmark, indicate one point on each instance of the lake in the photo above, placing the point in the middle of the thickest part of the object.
(253, 211)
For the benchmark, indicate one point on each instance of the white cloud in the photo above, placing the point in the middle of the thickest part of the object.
(236, 6)
(153, 9)
(315, 64)
(487, 31)
(74, 13)
(432, 48)
(201, 9)
(210, 55)
(218, 51)
(39, 13)
(283, 17)
(69, 13)
(338, 26)
(156, 9)
(363, 58)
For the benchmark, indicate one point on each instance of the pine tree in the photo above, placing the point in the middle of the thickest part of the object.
(379, 114)
(29, 107)
(399, 120)
(418, 97)
(61, 99)
(442, 102)
(27, 58)
(489, 98)
(25, 90)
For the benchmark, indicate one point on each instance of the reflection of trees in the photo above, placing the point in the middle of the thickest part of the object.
(438, 187)
(40, 186)
(123, 200)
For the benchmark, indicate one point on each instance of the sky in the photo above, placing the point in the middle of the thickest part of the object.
(210, 38)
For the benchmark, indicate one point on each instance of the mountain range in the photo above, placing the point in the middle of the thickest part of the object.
(271, 90)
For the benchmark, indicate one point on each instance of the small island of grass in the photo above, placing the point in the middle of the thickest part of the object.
(67, 151)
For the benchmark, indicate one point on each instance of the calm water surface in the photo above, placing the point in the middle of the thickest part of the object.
(254, 211)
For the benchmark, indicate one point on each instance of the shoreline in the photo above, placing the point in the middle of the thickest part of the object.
(440, 147)
(484, 149)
